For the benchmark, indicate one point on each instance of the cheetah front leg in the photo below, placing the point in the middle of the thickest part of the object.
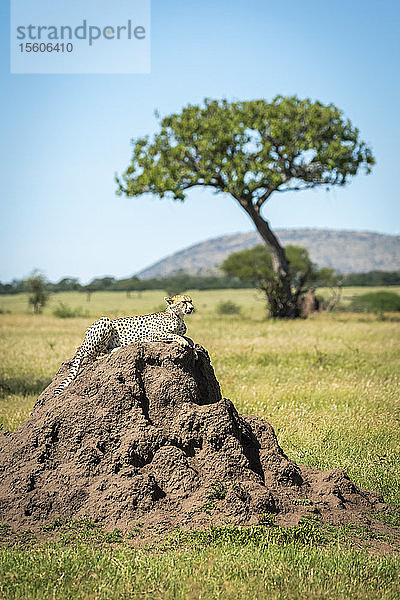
(165, 336)
(173, 337)
(192, 345)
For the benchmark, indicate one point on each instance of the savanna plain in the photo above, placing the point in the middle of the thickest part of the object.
(329, 385)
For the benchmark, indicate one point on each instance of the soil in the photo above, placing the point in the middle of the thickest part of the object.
(144, 435)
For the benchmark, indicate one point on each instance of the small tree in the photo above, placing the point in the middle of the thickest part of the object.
(255, 265)
(39, 293)
(250, 150)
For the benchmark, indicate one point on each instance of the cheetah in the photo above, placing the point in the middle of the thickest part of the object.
(106, 336)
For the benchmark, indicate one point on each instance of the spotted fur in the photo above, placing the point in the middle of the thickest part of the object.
(106, 336)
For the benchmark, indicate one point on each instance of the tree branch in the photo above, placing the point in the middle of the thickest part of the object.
(263, 198)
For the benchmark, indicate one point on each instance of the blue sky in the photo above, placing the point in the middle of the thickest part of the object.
(65, 136)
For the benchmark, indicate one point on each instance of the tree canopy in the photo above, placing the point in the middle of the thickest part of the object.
(248, 149)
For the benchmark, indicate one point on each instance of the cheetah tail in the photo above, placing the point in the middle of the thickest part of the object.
(76, 362)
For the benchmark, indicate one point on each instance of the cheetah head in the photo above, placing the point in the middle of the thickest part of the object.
(180, 305)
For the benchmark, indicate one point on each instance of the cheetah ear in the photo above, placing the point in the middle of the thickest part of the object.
(168, 300)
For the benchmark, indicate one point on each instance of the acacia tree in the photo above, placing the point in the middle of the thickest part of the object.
(250, 150)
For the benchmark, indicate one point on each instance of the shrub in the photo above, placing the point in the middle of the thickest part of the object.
(63, 311)
(376, 302)
(228, 308)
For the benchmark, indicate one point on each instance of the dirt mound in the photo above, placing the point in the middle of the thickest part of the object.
(144, 435)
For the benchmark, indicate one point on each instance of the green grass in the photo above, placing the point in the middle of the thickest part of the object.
(275, 572)
(389, 517)
(306, 561)
(329, 386)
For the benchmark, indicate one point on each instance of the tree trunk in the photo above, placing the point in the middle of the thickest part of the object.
(282, 302)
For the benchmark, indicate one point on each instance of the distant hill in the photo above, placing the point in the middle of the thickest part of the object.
(345, 251)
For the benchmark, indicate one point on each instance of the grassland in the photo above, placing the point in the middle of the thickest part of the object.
(330, 387)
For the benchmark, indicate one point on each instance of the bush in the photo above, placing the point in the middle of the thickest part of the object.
(63, 311)
(228, 308)
(376, 302)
